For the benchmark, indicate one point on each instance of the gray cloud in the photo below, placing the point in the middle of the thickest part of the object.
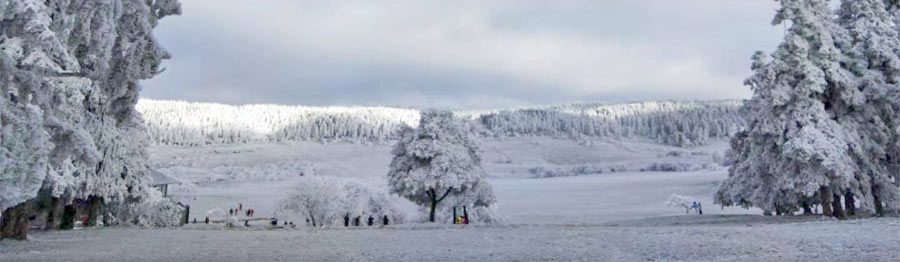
(475, 54)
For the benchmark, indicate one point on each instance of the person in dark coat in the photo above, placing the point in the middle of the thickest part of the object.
(371, 220)
(385, 220)
(230, 212)
(347, 220)
(356, 221)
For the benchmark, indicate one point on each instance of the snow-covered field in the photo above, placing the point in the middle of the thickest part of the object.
(258, 175)
(860, 240)
(589, 213)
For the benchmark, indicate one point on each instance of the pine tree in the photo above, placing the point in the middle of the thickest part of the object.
(873, 59)
(793, 150)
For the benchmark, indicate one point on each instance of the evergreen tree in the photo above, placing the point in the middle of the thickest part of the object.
(793, 152)
(873, 59)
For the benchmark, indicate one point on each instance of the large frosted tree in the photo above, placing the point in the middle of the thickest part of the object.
(73, 67)
(872, 57)
(820, 123)
(793, 153)
(437, 161)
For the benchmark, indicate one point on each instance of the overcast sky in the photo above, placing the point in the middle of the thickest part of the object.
(464, 54)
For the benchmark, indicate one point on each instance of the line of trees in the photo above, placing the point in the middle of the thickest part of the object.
(673, 123)
(324, 201)
(821, 124)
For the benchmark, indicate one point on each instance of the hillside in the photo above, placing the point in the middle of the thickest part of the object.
(672, 123)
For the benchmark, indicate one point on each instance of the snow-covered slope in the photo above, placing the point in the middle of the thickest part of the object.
(671, 123)
(68, 81)
(259, 174)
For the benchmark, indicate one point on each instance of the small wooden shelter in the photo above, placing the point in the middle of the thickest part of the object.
(162, 181)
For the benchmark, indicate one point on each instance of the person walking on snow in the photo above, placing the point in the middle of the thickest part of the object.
(371, 220)
(698, 206)
(346, 220)
(385, 220)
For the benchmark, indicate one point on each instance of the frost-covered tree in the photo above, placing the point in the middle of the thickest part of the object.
(24, 149)
(326, 200)
(869, 106)
(437, 161)
(79, 62)
(821, 122)
(793, 153)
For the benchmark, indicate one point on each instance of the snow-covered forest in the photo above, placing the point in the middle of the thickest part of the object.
(671, 123)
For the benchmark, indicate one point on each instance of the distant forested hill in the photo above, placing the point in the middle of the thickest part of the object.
(673, 123)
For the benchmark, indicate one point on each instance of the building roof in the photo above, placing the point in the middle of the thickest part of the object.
(158, 178)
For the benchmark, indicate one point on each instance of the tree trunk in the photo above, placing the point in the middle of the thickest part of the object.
(68, 218)
(14, 224)
(836, 207)
(850, 204)
(434, 201)
(433, 206)
(54, 216)
(465, 216)
(454, 214)
(313, 219)
(825, 194)
(879, 208)
(94, 209)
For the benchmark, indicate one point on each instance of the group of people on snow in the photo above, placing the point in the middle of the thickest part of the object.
(234, 211)
(371, 221)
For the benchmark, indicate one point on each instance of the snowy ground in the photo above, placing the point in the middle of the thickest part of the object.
(587, 217)
(859, 240)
